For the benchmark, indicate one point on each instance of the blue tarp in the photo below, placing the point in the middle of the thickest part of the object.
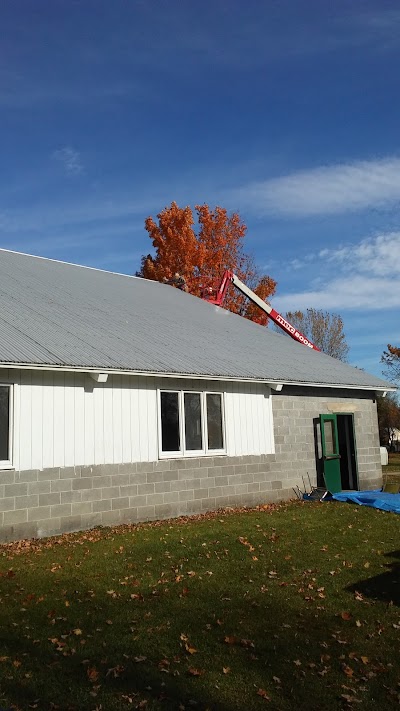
(377, 499)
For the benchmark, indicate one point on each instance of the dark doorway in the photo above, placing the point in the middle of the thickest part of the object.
(347, 450)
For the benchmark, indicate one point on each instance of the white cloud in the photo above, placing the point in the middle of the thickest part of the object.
(366, 277)
(326, 190)
(70, 159)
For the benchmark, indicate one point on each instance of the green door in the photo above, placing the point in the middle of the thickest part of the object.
(330, 453)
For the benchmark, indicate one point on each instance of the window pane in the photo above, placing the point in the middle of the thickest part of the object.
(214, 421)
(193, 436)
(4, 422)
(329, 432)
(170, 438)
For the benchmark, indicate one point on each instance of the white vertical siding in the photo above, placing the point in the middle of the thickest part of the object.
(66, 419)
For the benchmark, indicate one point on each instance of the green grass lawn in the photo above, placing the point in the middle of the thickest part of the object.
(394, 463)
(293, 607)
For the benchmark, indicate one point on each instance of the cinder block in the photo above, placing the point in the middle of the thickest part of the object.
(79, 484)
(89, 495)
(69, 524)
(154, 499)
(137, 501)
(145, 489)
(98, 482)
(91, 471)
(208, 504)
(170, 475)
(61, 510)
(200, 493)
(70, 472)
(26, 502)
(193, 507)
(162, 466)
(170, 497)
(167, 510)
(144, 467)
(99, 506)
(192, 463)
(49, 474)
(91, 520)
(122, 502)
(39, 513)
(81, 508)
(15, 490)
(162, 486)
(110, 492)
(155, 476)
(26, 476)
(7, 476)
(120, 480)
(186, 495)
(72, 497)
(146, 513)
(18, 516)
(129, 516)
(111, 518)
(39, 487)
(49, 499)
(136, 478)
(7, 504)
(61, 485)
(129, 490)
(127, 468)
(240, 489)
(190, 473)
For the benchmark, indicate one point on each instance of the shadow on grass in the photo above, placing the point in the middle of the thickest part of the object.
(384, 587)
(272, 635)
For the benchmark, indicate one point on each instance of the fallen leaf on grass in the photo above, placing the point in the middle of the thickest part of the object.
(345, 615)
(348, 671)
(195, 672)
(263, 694)
(92, 674)
(226, 670)
(189, 649)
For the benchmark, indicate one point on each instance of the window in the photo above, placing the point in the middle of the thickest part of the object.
(191, 423)
(5, 405)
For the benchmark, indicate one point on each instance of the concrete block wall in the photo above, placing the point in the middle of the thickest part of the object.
(43, 503)
(39, 503)
(296, 411)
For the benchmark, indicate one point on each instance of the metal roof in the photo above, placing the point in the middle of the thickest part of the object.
(66, 316)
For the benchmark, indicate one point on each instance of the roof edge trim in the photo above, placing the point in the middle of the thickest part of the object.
(193, 376)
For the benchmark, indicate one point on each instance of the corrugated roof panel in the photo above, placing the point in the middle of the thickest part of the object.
(59, 314)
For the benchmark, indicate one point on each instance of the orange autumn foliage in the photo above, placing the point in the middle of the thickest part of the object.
(204, 255)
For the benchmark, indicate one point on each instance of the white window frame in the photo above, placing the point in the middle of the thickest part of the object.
(8, 463)
(183, 452)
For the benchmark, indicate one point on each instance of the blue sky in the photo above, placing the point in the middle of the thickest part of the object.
(287, 111)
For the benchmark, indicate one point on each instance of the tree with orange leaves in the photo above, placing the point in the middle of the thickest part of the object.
(203, 256)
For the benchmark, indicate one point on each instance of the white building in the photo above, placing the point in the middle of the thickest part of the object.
(123, 399)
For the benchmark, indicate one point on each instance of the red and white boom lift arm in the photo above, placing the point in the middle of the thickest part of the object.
(217, 297)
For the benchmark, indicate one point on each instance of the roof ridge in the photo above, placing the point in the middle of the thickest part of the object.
(71, 264)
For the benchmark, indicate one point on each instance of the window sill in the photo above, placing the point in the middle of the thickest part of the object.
(192, 455)
(4, 466)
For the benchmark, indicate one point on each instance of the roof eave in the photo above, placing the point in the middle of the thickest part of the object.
(273, 383)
